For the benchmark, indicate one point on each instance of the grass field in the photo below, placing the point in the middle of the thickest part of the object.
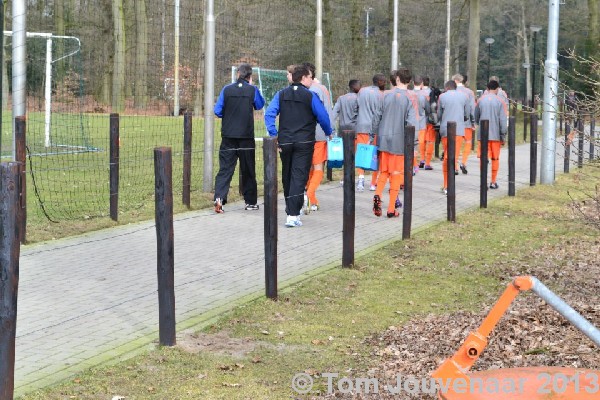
(73, 188)
(328, 322)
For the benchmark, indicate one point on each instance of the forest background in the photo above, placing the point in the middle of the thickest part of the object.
(127, 46)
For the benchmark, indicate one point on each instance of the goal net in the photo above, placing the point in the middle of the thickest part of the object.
(269, 82)
(56, 122)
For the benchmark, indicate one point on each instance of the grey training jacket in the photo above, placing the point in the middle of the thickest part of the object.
(399, 109)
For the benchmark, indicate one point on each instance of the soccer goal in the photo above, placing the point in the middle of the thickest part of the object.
(270, 81)
(55, 93)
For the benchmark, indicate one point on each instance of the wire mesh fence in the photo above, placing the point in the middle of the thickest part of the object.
(88, 59)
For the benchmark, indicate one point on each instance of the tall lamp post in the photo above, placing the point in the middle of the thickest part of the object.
(526, 66)
(368, 11)
(535, 29)
(489, 42)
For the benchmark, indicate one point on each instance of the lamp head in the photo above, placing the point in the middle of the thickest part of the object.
(489, 40)
(535, 28)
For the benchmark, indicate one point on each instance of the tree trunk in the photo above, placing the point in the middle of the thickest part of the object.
(58, 44)
(355, 31)
(199, 99)
(473, 45)
(526, 56)
(141, 54)
(4, 69)
(594, 33)
(118, 77)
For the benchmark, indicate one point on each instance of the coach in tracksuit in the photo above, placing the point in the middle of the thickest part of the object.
(236, 105)
(399, 110)
(299, 111)
(491, 107)
(453, 107)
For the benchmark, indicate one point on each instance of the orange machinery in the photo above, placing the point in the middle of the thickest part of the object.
(456, 382)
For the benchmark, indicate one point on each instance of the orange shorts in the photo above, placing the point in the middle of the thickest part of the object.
(493, 149)
(320, 153)
(365, 139)
(468, 134)
(389, 162)
(430, 133)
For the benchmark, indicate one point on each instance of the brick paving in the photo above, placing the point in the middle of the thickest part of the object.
(91, 299)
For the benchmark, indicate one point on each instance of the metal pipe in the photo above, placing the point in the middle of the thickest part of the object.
(447, 50)
(19, 63)
(566, 311)
(319, 41)
(395, 38)
(209, 96)
(48, 92)
(547, 172)
(176, 63)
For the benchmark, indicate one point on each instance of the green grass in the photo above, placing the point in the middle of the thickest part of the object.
(73, 189)
(318, 325)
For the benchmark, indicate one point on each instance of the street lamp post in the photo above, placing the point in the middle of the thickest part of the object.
(526, 66)
(368, 11)
(489, 42)
(535, 29)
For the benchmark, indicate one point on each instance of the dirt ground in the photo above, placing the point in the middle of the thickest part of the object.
(530, 334)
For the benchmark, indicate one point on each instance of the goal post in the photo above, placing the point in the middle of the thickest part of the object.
(71, 46)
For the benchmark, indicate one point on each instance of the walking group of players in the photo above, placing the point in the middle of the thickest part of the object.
(378, 116)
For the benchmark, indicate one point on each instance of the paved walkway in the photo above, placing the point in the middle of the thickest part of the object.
(92, 299)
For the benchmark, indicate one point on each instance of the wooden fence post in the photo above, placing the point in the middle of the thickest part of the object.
(21, 159)
(592, 136)
(270, 220)
(114, 166)
(533, 150)
(409, 154)
(349, 207)
(483, 165)
(451, 167)
(512, 159)
(581, 141)
(9, 274)
(187, 158)
(163, 189)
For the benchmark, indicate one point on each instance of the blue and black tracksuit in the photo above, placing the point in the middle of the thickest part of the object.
(236, 105)
(299, 111)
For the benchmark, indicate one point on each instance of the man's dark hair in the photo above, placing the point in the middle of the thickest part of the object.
(245, 71)
(493, 85)
(353, 84)
(426, 80)
(378, 78)
(405, 75)
(311, 67)
(418, 79)
(465, 78)
(393, 77)
(300, 71)
(450, 85)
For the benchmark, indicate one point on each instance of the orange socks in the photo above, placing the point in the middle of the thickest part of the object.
(383, 177)
(396, 180)
(313, 183)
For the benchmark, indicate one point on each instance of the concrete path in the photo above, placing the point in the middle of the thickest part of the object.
(92, 299)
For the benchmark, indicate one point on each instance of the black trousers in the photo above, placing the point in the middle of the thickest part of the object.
(296, 159)
(230, 151)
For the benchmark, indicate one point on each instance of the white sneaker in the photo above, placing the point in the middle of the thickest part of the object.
(293, 221)
(373, 188)
(314, 207)
(360, 186)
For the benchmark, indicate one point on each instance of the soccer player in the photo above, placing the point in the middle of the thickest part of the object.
(424, 110)
(299, 110)
(236, 105)
(369, 102)
(453, 107)
(461, 80)
(320, 153)
(397, 112)
(490, 107)
(346, 107)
